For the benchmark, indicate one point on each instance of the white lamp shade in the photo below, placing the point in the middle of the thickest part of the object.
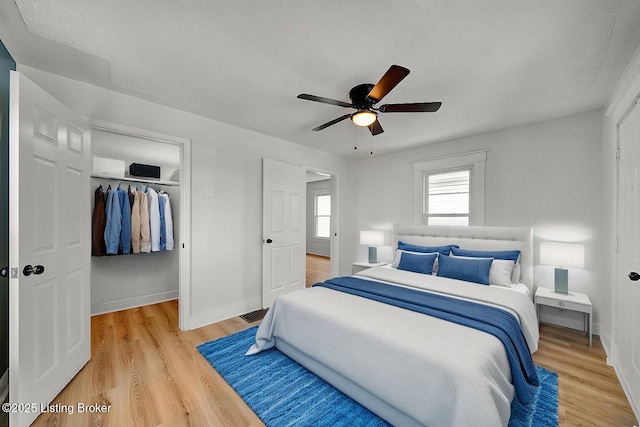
(567, 255)
(372, 237)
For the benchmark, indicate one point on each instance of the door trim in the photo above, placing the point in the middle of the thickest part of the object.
(334, 241)
(184, 245)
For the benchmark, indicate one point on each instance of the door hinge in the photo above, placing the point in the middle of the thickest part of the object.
(14, 273)
(617, 245)
(615, 336)
(618, 153)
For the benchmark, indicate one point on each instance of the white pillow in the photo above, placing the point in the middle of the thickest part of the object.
(500, 271)
(515, 275)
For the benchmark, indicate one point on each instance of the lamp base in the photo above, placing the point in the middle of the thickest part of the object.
(562, 281)
(373, 254)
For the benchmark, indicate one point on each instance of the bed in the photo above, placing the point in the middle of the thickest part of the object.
(407, 367)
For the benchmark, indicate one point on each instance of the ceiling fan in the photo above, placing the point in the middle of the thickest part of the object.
(365, 96)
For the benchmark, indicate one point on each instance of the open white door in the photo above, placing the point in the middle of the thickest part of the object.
(49, 221)
(283, 216)
(627, 337)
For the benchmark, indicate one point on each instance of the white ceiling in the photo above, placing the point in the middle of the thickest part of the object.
(492, 63)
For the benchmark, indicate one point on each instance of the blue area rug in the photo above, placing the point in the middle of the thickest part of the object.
(283, 393)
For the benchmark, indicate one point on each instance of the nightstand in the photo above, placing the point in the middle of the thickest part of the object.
(573, 301)
(359, 266)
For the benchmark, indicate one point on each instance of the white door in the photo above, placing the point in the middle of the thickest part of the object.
(283, 217)
(49, 221)
(627, 340)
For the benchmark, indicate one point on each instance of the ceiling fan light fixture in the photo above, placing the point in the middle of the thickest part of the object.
(364, 117)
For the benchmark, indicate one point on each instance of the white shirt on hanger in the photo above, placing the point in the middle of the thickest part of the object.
(168, 221)
(154, 219)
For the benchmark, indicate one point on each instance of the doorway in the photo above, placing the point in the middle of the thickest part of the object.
(320, 225)
(137, 279)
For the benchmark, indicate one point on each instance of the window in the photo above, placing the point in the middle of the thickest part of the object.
(450, 190)
(447, 197)
(322, 216)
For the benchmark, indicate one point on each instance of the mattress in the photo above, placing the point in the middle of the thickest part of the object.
(407, 367)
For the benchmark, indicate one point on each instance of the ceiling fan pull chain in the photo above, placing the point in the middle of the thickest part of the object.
(371, 140)
(355, 139)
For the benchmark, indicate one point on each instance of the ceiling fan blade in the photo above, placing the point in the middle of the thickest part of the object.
(391, 78)
(375, 128)
(418, 107)
(332, 122)
(325, 100)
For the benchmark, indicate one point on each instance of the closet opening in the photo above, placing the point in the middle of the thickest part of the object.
(148, 263)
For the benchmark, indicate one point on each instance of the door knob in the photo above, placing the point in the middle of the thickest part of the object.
(268, 241)
(634, 276)
(29, 270)
(4, 272)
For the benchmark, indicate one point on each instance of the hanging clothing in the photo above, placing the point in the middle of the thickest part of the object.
(98, 223)
(163, 230)
(132, 195)
(125, 218)
(135, 222)
(145, 232)
(168, 222)
(113, 224)
(154, 219)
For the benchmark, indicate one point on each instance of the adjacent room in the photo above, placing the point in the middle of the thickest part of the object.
(403, 213)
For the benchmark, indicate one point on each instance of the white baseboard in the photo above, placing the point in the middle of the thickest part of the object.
(634, 404)
(222, 313)
(4, 386)
(125, 304)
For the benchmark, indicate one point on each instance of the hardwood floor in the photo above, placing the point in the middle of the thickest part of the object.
(589, 393)
(149, 372)
(318, 269)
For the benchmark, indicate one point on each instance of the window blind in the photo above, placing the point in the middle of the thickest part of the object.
(448, 197)
(323, 216)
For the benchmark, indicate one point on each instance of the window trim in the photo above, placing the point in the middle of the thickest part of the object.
(474, 159)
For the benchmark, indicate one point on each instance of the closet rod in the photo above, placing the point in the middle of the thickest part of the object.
(130, 179)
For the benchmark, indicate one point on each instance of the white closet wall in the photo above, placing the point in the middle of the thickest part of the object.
(125, 281)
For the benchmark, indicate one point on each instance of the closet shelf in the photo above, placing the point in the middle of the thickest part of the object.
(135, 179)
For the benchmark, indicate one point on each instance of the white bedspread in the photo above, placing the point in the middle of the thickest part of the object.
(435, 372)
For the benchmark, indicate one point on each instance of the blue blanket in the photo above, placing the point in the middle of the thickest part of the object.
(500, 323)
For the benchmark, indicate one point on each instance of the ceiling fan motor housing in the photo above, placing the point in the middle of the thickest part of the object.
(358, 95)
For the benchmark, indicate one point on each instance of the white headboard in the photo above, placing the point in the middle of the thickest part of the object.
(475, 238)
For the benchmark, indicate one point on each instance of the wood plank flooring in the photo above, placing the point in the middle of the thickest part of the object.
(589, 393)
(151, 374)
(318, 269)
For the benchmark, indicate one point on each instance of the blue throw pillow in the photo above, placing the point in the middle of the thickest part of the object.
(444, 250)
(467, 269)
(418, 263)
(508, 255)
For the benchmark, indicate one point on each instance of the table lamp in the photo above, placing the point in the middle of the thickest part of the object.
(563, 256)
(372, 238)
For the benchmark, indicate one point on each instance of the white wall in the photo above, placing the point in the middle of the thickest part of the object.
(226, 240)
(546, 176)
